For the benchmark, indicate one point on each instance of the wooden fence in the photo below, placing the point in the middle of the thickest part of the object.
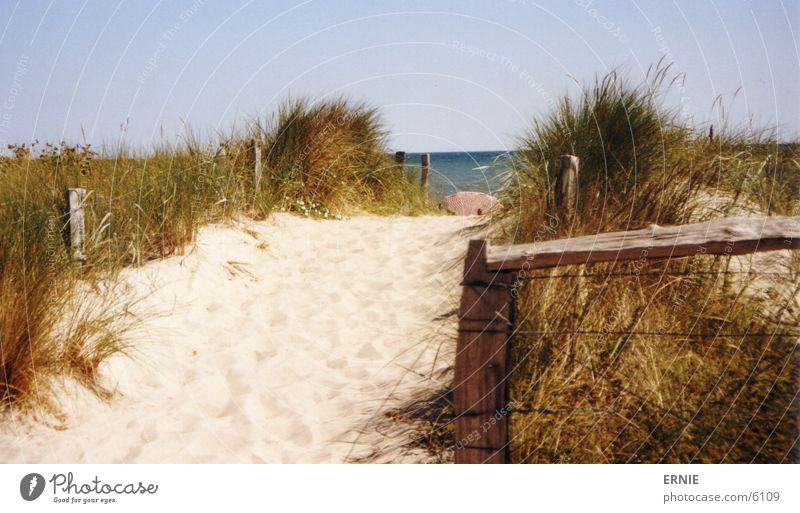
(486, 314)
(425, 166)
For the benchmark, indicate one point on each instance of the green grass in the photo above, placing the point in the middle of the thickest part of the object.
(322, 159)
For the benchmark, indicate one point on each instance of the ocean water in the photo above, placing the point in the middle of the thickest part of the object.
(451, 172)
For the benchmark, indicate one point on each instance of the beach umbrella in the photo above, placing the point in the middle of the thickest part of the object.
(471, 203)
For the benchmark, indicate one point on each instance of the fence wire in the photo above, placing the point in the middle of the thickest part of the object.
(613, 377)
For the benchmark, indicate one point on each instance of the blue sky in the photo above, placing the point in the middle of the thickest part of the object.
(447, 75)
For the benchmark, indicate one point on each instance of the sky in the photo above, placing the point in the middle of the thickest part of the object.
(446, 75)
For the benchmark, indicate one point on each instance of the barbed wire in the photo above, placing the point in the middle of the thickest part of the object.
(658, 333)
(665, 273)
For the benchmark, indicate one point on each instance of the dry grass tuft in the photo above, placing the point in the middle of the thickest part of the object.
(326, 158)
(631, 390)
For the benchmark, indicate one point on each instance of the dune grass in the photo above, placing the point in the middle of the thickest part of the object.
(330, 157)
(683, 391)
(323, 159)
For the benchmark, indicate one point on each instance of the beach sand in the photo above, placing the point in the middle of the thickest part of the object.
(270, 341)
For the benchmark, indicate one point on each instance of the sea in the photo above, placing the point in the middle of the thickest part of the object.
(451, 171)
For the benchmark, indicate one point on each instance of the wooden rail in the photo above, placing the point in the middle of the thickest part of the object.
(731, 236)
(486, 314)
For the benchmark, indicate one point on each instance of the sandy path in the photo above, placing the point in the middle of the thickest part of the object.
(272, 341)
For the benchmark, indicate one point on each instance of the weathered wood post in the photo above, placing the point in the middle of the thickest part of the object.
(566, 195)
(75, 197)
(254, 157)
(400, 158)
(711, 134)
(480, 388)
(425, 160)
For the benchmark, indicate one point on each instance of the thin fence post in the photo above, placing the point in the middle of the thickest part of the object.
(255, 161)
(425, 160)
(75, 197)
(400, 159)
(567, 185)
(482, 353)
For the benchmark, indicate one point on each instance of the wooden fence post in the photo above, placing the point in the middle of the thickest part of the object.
(425, 160)
(567, 185)
(480, 388)
(255, 161)
(75, 197)
(400, 158)
(486, 314)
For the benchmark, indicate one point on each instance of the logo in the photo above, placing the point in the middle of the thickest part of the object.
(31, 486)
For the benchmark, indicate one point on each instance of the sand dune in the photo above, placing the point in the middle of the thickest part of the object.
(267, 342)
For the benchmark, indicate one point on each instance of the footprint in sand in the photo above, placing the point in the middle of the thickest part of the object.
(368, 352)
(231, 409)
(278, 319)
(336, 363)
(239, 378)
(213, 307)
(357, 374)
(263, 355)
(132, 454)
(372, 316)
(150, 433)
(300, 434)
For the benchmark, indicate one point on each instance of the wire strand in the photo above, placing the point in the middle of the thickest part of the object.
(666, 273)
(659, 333)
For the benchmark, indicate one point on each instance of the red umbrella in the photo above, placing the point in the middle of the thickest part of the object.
(471, 203)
